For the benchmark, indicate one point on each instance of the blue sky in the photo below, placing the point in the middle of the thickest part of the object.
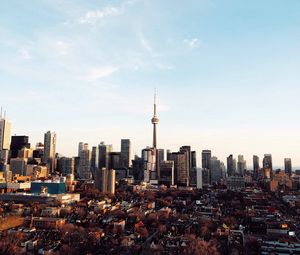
(227, 73)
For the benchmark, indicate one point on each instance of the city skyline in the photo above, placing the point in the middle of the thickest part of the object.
(226, 74)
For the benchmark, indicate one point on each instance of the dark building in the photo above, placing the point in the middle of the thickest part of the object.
(206, 156)
(255, 166)
(18, 142)
(125, 153)
(166, 173)
(288, 166)
(138, 169)
(194, 159)
(230, 165)
(114, 160)
(267, 161)
(181, 167)
(104, 155)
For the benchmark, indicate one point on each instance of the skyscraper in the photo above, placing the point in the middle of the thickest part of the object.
(95, 158)
(255, 166)
(125, 153)
(231, 165)
(18, 143)
(5, 129)
(104, 151)
(84, 168)
(206, 156)
(267, 161)
(241, 165)
(67, 166)
(181, 167)
(216, 170)
(288, 166)
(49, 150)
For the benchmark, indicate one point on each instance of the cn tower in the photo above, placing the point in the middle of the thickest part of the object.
(154, 121)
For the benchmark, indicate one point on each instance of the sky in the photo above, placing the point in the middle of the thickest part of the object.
(226, 73)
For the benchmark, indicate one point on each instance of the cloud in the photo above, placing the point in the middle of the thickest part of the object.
(193, 43)
(25, 54)
(92, 17)
(98, 73)
(62, 47)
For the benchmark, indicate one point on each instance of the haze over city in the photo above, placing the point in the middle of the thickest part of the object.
(226, 74)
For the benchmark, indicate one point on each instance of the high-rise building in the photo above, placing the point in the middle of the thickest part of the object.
(149, 158)
(104, 151)
(166, 173)
(194, 159)
(114, 160)
(5, 129)
(80, 147)
(105, 180)
(181, 167)
(288, 166)
(206, 156)
(216, 173)
(255, 166)
(50, 150)
(231, 165)
(95, 158)
(67, 166)
(125, 153)
(84, 168)
(267, 161)
(18, 143)
(241, 165)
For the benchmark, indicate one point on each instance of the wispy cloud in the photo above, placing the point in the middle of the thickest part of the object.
(193, 43)
(62, 47)
(25, 54)
(98, 73)
(92, 17)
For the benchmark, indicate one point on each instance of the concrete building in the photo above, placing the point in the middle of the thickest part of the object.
(95, 158)
(231, 165)
(50, 150)
(235, 182)
(18, 166)
(18, 143)
(255, 166)
(199, 178)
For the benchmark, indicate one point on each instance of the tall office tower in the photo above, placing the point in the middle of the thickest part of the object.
(18, 143)
(206, 156)
(105, 180)
(187, 149)
(95, 158)
(231, 168)
(216, 173)
(49, 150)
(5, 128)
(255, 166)
(125, 153)
(149, 158)
(104, 151)
(288, 165)
(114, 160)
(84, 169)
(181, 168)
(194, 159)
(267, 161)
(161, 155)
(138, 169)
(241, 165)
(67, 166)
(80, 147)
(166, 173)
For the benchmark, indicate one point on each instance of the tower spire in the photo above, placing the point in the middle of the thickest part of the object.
(154, 121)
